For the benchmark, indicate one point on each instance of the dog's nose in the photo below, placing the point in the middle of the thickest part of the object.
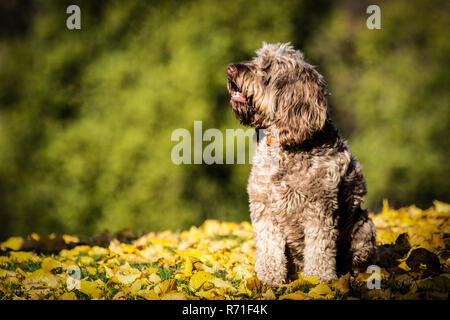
(231, 70)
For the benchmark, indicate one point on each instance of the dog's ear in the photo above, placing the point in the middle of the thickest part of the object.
(301, 105)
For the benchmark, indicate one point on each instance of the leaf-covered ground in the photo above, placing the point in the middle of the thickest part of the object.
(215, 261)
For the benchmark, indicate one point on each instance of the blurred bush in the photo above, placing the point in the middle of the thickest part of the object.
(86, 116)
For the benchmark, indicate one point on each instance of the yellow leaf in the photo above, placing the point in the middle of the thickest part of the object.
(321, 289)
(115, 247)
(362, 277)
(188, 267)
(190, 252)
(388, 236)
(13, 243)
(98, 251)
(198, 279)
(243, 290)
(126, 279)
(68, 296)
(120, 296)
(310, 281)
(91, 270)
(38, 294)
(269, 295)
(69, 239)
(173, 295)
(253, 284)
(242, 272)
(40, 276)
(91, 289)
(154, 278)
(205, 294)
(81, 249)
(86, 260)
(385, 207)
(137, 285)
(21, 273)
(179, 276)
(302, 282)
(342, 284)
(22, 256)
(166, 286)
(404, 266)
(149, 270)
(49, 264)
(4, 259)
(148, 295)
(442, 207)
(67, 253)
(247, 226)
(207, 285)
(200, 266)
(295, 296)
(220, 283)
(108, 271)
(7, 274)
(35, 236)
(123, 274)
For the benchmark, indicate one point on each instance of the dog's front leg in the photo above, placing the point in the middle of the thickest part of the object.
(270, 265)
(320, 247)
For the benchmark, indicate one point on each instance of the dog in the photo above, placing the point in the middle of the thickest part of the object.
(305, 187)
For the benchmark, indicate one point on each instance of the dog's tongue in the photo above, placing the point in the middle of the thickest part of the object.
(237, 96)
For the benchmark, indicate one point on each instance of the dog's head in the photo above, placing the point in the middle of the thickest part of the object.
(279, 90)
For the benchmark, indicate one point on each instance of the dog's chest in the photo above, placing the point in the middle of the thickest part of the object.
(287, 182)
(264, 185)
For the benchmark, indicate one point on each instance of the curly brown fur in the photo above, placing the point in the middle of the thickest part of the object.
(305, 212)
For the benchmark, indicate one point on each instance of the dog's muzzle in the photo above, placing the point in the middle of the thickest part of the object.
(236, 94)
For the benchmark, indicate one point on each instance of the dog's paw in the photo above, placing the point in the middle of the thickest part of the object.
(269, 274)
(327, 278)
(324, 276)
(270, 281)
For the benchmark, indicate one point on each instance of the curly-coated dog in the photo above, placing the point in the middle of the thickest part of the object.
(305, 205)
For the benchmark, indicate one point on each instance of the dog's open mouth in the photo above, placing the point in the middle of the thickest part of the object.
(236, 94)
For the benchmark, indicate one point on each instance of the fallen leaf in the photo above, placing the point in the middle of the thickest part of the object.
(295, 296)
(165, 286)
(320, 291)
(49, 264)
(13, 243)
(188, 267)
(91, 289)
(173, 295)
(68, 296)
(41, 277)
(198, 279)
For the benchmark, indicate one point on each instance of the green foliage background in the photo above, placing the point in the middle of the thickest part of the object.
(86, 116)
